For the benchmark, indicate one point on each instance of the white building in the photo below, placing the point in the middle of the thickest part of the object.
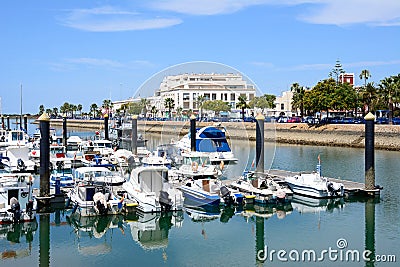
(185, 89)
(283, 106)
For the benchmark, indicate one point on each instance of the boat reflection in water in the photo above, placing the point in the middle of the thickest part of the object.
(267, 211)
(94, 227)
(150, 230)
(314, 205)
(15, 234)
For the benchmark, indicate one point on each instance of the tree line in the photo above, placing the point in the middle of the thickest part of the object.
(332, 95)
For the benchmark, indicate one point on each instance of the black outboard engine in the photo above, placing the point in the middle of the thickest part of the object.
(15, 210)
(226, 195)
(21, 165)
(102, 209)
(331, 190)
(29, 207)
(165, 201)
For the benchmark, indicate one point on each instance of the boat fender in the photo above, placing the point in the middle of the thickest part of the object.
(195, 166)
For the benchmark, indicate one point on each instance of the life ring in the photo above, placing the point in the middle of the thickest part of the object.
(195, 166)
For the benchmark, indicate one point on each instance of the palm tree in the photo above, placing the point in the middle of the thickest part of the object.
(179, 112)
(369, 97)
(55, 111)
(154, 111)
(389, 89)
(41, 109)
(169, 104)
(242, 104)
(107, 105)
(365, 75)
(79, 108)
(199, 102)
(93, 109)
(298, 97)
(65, 108)
(144, 103)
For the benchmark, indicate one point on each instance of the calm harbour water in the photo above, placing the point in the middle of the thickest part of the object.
(233, 237)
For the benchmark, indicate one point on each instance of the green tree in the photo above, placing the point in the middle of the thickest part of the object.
(389, 91)
(169, 104)
(79, 108)
(65, 109)
(49, 111)
(199, 102)
(322, 95)
(144, 103)
(365, 75)
(216, 105)
(242, 104)
(298, 97)
(134, 108)
(154, 111)
(41, 109)
(179, 112)
(55, 111)
(94, 110)
(336, 71)
(369, 97)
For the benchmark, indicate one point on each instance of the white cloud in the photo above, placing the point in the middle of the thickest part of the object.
(336, 12)
(110, 19)
(344, 12)
(95, 62)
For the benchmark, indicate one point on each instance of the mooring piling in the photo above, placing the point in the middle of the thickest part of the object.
(44, 170)
(8, 123)
(193, 132)
(369, 152)
(26, 123)
(260, 143)
(106, 126)
(134, 135)
(64, 132)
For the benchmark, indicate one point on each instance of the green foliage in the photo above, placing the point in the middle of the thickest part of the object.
(265, 101)
(216, 105)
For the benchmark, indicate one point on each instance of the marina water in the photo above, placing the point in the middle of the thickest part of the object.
(336, 231)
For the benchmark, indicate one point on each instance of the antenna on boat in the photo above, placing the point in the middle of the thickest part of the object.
(319, 165)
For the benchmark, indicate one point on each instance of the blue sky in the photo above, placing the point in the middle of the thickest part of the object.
(83, 51)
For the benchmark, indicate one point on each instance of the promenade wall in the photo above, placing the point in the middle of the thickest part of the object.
(387, 137)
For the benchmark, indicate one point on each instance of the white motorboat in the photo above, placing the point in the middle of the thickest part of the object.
(314, 185)
(262, 189)
(212, 141)
(197, 165)
(62, 171)
(210, 192)
(150, 188)
(98, 175)
(19, 159)
(17, 203)
(88, 199)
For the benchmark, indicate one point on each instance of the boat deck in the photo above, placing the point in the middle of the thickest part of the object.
(351, 188)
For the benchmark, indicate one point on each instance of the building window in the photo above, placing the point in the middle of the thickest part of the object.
(251, 96)
(186, 97)
(232, 97)
(206, 97)
(214, 97)
(282, 106)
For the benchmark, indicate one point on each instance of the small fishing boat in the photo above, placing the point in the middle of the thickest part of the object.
(17, 203)
(209, 192)
(98, 175)
(150, 188)
(196, 165)
(62, 171)
(315, 185)
(89, 199)
(262, 189)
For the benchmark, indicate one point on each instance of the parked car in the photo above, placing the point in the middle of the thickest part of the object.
(249, 119)
(396, 120)
(294, 119)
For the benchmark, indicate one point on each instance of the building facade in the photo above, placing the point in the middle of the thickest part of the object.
(185, 89)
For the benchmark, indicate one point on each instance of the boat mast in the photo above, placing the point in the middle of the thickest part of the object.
(20, 119)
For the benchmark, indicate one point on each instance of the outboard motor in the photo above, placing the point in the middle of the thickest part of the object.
(226, 195)
(21, 165)
(101, 208)
(331, 190)
(165, 201)
(29, 207)
(15, 209)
